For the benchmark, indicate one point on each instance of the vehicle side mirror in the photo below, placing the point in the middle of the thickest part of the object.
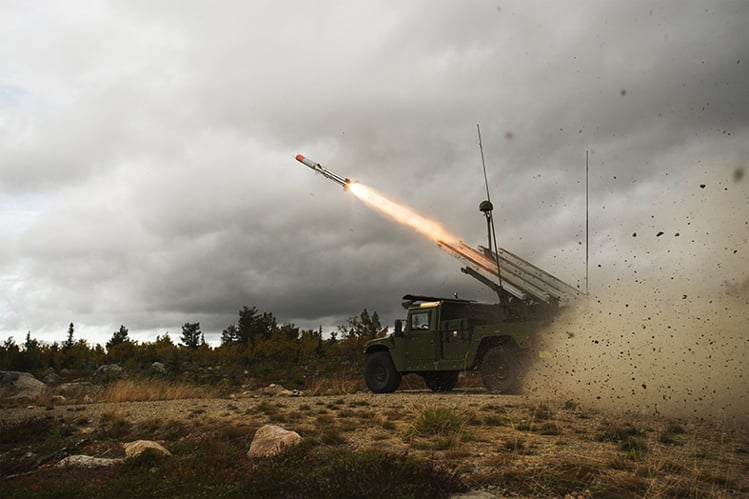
(399, 327)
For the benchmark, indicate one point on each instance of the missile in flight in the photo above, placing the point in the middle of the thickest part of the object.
(342, 181)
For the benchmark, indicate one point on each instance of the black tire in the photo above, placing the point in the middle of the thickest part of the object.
(442, 381)
(380, 373)
(502, 370)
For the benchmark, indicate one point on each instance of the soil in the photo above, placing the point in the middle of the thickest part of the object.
(502, 442)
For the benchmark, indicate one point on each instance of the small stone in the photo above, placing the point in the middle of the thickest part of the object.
(58, 399)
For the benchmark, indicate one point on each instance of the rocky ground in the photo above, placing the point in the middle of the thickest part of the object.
(502, 445)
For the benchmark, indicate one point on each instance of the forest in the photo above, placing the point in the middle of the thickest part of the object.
(256, 347)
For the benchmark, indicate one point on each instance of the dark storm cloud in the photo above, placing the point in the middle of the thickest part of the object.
(157, 145)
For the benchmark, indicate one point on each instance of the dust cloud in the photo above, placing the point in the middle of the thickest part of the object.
(668, 333)
(675, 356)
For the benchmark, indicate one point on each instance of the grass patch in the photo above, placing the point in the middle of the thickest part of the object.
(570, 405)
(46, 436)
(636, 449)
(550, 428)
(494, 420)
(676, 429)
(669, 436)
(113, 425)
(440, 428)
(541, 412)
(513, 445)
(266, 408)
(340, 472)
(27, 431)
(432, 421)
(618, 433)
(563, 478)
(332, 437)
(132, 390)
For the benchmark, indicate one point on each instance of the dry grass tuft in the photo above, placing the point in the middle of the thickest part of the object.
(440, 428)
(147, 390)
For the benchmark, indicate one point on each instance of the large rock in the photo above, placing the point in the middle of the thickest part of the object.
(271, 439)
(15, 385)
(109, 371)
(79, 391)
(135, 449)
(158, 368)
(51, 377)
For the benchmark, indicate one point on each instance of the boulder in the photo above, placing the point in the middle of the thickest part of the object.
(271, 439)
(81, 391)
(158, 368)
(15, 385)
(81, 461)
(51, 377)
(109, 371)
(134, 449)
(76, 389)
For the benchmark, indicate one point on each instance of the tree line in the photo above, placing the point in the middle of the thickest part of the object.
(256, 346)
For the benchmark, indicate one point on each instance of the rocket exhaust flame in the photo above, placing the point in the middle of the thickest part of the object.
(377, 201)
(402, 214)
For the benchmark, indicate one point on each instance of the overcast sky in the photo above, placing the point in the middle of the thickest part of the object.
(147, 153)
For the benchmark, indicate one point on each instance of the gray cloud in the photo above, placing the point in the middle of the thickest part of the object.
(147, 150)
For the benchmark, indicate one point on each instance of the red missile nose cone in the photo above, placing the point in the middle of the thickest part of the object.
(300, 158)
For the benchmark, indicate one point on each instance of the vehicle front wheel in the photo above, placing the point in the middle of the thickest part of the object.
(501, 370)
(380, 373)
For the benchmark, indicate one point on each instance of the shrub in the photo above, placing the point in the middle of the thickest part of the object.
(112, 425)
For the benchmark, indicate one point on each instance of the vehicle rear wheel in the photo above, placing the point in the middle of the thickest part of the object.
(501, 370)
(380, 373)
(442, 381)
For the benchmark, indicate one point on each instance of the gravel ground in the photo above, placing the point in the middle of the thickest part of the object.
(505, 436)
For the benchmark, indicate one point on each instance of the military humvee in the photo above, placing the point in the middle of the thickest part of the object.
(443, 336)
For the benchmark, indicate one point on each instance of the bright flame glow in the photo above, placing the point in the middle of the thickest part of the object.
(402, 214)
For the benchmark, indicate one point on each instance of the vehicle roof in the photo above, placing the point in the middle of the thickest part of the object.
(422, 298)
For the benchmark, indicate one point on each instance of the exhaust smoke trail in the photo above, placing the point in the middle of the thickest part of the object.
(402, 214)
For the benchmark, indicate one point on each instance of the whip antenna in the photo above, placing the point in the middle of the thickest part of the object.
(586, 222)
(486, 208)
(483, 164)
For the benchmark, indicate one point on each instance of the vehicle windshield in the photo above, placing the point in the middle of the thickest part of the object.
(420, 320)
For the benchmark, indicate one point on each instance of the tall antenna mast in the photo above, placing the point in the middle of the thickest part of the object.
(586, 222)
(486, 208)
(483, 163)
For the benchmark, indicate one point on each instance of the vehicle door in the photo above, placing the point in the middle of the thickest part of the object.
(455, 336)
(419, 339)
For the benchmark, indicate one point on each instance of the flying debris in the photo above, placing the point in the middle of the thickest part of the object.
(342, 181)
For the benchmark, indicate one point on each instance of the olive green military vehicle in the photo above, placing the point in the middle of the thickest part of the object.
(442, 337)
